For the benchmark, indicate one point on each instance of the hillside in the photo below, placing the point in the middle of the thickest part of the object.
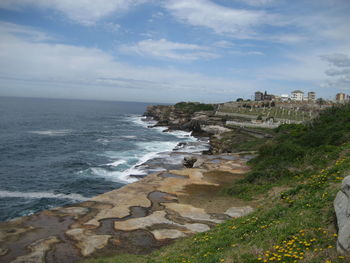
(294, 178)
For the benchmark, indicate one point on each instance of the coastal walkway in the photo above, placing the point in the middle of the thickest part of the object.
(136, 218)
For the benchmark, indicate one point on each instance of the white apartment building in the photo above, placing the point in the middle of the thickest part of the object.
(297, 95)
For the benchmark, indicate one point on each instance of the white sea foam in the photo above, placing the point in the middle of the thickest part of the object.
(103, 141)
(183, 134)
(133, 161)
(116, 163)
(178, 133)
(52, 132)
(39, 195)
(150, 150)
(116, 176)
(142, 121)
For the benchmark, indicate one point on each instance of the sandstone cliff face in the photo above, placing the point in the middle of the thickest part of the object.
(185, 116)
(342, 210)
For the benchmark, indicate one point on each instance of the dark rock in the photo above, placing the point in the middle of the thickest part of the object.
(138, 176)
(193, 125)
(188, 162)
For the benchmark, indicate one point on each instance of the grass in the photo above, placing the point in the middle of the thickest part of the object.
(192, 107)
(295, 224)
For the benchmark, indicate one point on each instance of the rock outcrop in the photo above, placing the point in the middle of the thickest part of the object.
(188, 162)
(184, 116)
(342, 210)
(136, 218)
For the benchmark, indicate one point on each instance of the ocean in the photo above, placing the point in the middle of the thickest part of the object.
(55, 152)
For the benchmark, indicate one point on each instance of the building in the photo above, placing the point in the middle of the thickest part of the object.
(284, 97)
(311, 96)
(340, 97)
(259, 96)
(297, 95)
(268, 96)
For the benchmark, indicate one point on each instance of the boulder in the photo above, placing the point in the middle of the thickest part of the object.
(342, 210)
(193, 125)
(239, 211)
(188, 162)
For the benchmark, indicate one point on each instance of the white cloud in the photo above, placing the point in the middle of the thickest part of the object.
(171, 50)
(339, 72)
(223, 44)
(34, 68)
(23, 31)
(337, 60)
(221, 19)
(246, 53)
(257, 2)
(86, 12)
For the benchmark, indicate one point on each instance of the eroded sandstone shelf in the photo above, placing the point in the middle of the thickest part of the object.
(136, 218)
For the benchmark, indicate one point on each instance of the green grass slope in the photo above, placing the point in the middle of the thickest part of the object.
(295, 179)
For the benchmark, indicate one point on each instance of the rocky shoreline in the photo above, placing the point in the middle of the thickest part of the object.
(138, 217)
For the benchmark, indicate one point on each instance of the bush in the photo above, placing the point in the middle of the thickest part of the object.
(191, 107)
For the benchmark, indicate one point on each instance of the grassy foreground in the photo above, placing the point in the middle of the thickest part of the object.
(295, 178)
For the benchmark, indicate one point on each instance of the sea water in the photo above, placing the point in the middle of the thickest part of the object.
(55, 152)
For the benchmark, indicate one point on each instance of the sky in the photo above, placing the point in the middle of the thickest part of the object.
(173, 50)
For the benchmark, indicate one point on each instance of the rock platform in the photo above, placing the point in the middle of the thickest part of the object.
(136, 218)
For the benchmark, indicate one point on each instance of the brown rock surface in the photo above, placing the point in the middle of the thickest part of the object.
(158, 207)
(38, 250)
(87, 241)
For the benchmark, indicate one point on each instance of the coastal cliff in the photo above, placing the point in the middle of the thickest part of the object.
(275, 207)
(202, 121)
(293, 181)
(184, 116)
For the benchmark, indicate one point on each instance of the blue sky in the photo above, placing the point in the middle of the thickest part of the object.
(173, 50)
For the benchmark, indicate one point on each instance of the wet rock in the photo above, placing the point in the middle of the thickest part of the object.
(193, 125)
(342, 210)
(239, 211)
(74, 211)
(3, 251)
(188, 162)
(88, 243)
(123, 198)
(162, 234)
(38, 250)
(157, 217)
(12, 229)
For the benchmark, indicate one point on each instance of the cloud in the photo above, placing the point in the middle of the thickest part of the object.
(339, 72)
(32, 68)
(86, 12)
(218, 18)
(257, 2)
(223, 44)
(23, 31)
(337, 60)
(170, 50)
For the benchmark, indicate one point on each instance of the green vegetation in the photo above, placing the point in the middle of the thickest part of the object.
(297, 149)
(191, 107)
(294, 179)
